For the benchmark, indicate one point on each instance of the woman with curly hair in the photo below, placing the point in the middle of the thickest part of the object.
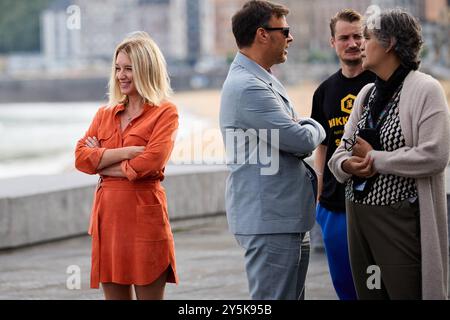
(393, 158)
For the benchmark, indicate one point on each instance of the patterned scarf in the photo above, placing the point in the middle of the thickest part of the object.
(385, 90)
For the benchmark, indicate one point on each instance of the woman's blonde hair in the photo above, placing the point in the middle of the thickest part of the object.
(149, 69)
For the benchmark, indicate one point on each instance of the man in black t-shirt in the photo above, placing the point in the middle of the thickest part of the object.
(332, 104)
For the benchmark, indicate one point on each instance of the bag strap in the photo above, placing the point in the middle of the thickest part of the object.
(367, 97)
(384, 112)
(312, 176)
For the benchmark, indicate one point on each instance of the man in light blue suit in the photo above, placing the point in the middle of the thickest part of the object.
(270, 199)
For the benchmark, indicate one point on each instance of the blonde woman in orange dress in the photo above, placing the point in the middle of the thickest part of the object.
(128, 144)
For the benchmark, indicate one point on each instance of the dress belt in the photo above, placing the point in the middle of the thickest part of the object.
(127, 185)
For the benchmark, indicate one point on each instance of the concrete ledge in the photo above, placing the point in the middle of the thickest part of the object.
(36, 209)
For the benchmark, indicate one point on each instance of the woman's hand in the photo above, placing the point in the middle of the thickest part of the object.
(92, 142)
(127, 153)
(132, 151)
(361, 148)
(358, 166)
(112, 171)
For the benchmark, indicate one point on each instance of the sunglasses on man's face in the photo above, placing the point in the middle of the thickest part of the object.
(284, 30)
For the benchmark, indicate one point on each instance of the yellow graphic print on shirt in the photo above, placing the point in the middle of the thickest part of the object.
(346, 106)
(347, 103)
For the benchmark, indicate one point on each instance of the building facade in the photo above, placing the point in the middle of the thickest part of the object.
(189, 31)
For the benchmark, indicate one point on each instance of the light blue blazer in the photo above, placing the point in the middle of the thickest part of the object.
(279, 199)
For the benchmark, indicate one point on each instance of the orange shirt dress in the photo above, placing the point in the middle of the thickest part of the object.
(132, 242)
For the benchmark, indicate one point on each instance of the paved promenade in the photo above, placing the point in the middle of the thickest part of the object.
(210, 266)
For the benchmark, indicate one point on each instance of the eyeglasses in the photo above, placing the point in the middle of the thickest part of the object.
(350, 142)
(284, 30)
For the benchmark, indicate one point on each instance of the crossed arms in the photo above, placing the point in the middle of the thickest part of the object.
(110, 162)
(131, 162)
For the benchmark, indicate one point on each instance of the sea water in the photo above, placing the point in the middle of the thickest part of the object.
(40, 138)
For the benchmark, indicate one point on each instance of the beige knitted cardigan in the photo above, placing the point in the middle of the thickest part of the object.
(425, 122)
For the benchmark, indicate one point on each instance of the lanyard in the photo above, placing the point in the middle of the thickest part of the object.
(383, 112)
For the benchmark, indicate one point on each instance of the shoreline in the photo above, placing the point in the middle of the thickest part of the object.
(199, 143)
(209, 104)
(207, 142)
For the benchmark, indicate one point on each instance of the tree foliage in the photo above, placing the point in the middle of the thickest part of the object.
(19, 25)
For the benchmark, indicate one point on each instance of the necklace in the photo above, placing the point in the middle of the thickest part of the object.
(130, 117)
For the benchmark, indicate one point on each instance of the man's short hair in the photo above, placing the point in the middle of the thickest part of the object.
(253, 15)
(348, 15)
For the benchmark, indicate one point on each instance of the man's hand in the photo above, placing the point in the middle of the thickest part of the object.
(361, 148)
(361, 167)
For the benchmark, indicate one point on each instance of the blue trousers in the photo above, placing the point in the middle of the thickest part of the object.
(276, 265)
(334, 232)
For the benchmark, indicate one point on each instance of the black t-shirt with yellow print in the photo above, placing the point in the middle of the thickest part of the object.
(332, 105)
